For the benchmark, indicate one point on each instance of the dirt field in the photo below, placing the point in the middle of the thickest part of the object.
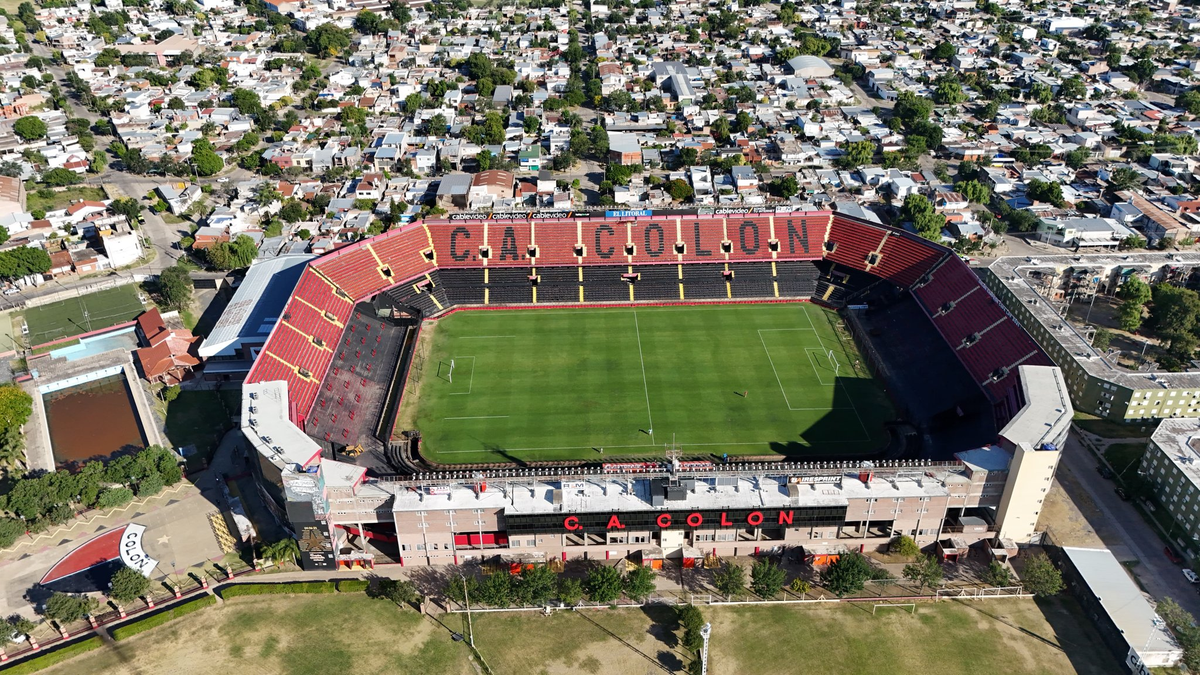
(322, 634)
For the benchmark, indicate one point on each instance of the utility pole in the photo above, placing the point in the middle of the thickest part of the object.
(704, 633)
(467, 601)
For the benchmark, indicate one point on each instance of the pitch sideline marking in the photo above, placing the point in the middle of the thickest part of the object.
(484, 337)
(772, 362)
(866, 434)
(480, 417)
(645, 386)
(470, 382)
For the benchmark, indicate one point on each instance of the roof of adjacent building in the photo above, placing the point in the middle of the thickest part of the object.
(256, 305)
(10, 189)
(1123, 601)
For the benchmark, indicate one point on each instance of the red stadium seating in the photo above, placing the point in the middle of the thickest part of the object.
(852, 242)
(904, 259)
(322, 303)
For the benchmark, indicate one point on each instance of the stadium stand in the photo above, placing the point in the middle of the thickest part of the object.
(432, 266)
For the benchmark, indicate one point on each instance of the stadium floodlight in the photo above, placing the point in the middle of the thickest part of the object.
(705, 632)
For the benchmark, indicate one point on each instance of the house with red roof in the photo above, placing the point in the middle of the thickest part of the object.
(168, 354)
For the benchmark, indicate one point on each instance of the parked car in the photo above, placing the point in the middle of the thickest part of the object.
(1172, 555)
(1104, 471)
(1122, 493)
(223, 179)
(1191, 576)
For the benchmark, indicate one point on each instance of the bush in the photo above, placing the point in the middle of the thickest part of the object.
(279, 589)
(114, 497)
(57, 656)
(133, 628)
(905, 546)
(800, 586)
(128, 585)
(352, 585)
(150, 485)
(10, 529)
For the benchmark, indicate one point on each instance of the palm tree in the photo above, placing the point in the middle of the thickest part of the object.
(284, 550)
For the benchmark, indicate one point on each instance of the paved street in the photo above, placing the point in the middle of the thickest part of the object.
(1124, 530)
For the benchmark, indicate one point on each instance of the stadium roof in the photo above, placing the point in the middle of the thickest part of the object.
(269, 429)
(255, 306)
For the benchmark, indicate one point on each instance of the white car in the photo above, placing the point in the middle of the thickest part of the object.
(222, 180)
(1191, 576)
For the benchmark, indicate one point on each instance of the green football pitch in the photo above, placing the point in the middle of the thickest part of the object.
(562, 384)
(81, 314)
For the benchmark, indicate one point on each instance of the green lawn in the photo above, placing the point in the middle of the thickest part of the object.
(200, 418)
(1109, 429)
(82, 314)
(947, 638)
(62, 200)
(1124, 457)
(560, 384)
(296, 635)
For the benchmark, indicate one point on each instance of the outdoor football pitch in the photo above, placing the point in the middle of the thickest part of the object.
(81, 314)
(562, 384)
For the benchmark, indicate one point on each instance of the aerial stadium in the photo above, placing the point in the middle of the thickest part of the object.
(662, 385)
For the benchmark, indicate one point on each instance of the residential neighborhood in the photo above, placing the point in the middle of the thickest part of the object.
(308, 125)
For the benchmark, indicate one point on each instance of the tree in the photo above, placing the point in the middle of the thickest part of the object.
(919, 211)
(126, 206)
(367, 22)
(23, 261)
(1174, 310)
(536, 584)
(598, 138)
(603, 584)
(949, 92)
(1123, 178)
(293, 211)
(639, 584)
(205, 158)
(1044, 191)
(175, 285)
(327, 40)
(905, 546)
(29, 128)
(60, 177)
(66, 608)
(1102, 339)
(570, 591)
(730, 580)
(679, 189)
(847, 574)
(1134, 295)
(1041, 577)
(926, 571)
(911, 109)
(246, 101)
(461, 588)
(1077, 158)
(398, 591)
(997, 574)
(496, 590)
(856, 154)
(15, 406)
(128, 585)
(282, 551)
(766, 578)
(974, 191)
(943, 51)
(1072, 89)
(1189, 101)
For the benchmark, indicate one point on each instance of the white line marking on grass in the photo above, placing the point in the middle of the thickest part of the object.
(470, 382)
(769, 330)
(480, 417)
(816, 369)
(772, 362)
(485, 337)
(866, 434)
(645, 386)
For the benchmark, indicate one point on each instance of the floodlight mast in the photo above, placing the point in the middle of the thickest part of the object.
(704, 633)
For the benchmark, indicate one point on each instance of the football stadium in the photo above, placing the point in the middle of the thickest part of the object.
(671, 368)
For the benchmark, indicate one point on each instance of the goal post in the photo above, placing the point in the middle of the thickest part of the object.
(451, 375)
(833, 362)
(911, 606)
